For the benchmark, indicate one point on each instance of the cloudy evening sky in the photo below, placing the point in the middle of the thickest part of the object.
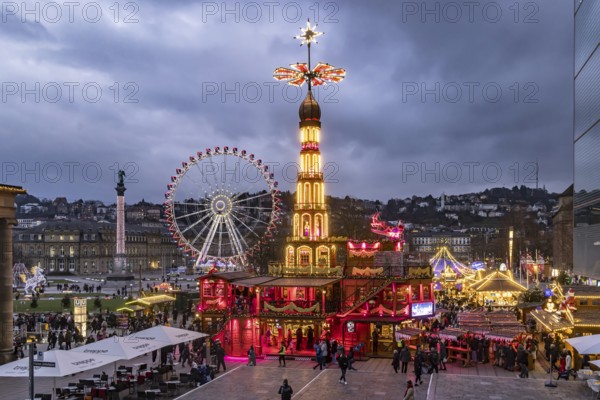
(472, 93)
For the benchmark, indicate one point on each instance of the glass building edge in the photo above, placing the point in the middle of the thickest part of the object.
(586, 133)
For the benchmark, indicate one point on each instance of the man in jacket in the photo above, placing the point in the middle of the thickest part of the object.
(285, 390)
(220, 353)
(282, 355)
(522, 359)
(418, 364)
(343, 363)
(405, 358)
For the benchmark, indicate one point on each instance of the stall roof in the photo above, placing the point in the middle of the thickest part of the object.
(255, 281)
(229, 276)
(131, 308)
(151, 300)
(498, 282)
(585, 317)
(550, 321)
(300, 282)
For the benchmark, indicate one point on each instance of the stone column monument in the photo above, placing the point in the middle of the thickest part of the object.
(7, 221)
(120, 255)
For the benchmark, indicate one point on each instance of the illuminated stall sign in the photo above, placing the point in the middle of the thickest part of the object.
(80, 315)
(421, 309)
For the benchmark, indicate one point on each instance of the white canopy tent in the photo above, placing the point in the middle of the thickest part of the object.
(56, 364)
(586, 344)
(165, 335)
(122, 347)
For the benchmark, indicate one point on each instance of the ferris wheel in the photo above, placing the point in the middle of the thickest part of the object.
(221, 205)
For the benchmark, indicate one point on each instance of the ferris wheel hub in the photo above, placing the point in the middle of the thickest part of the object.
(221, 204)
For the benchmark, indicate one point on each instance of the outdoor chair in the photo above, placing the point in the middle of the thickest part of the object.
(172, 388)
(163, 388)
(151, 396)
(185, 379)
(141, 394)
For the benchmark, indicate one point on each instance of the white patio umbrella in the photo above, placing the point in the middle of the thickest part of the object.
(166, 335)
(56, 363)
(122, 347)
(586, 344)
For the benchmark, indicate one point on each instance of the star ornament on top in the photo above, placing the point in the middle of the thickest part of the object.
(299, 73)
(308, 34)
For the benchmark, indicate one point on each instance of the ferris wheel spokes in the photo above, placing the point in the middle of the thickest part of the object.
(245, 226)
(234, 235)
(192, 213)
(252, 197)
(249, 216)
(210, 236)
(195, 223)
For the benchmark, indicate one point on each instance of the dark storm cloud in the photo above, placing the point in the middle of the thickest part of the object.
(176, 62)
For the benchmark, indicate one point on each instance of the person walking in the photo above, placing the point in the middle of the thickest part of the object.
(443, 355)
(286, 390)
(405, 358)
(334, 351)
(282, 355)
(319, 356)
(568, 361)
(396, 360)
(409, 393)
(184, 354)
(298, 338)
(310, 338)
(375, 337)
(324, 352)
(220, 352)
(435, 360)
(522, 359)
(418, 364)
(351, 359)
(251, 357)
(343, 363)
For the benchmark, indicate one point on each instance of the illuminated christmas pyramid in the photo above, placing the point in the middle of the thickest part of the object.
(309, 248)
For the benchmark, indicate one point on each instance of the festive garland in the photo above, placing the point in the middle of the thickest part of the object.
(367, 271)
(362, 253)
(292, 307)
(313, 270)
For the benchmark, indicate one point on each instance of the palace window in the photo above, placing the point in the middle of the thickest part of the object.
(304, 257)
(52, 251)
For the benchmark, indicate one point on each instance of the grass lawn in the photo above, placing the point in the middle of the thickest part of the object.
(45, 305)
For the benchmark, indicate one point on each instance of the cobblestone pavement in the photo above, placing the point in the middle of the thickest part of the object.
(374, 380)
(463, 387)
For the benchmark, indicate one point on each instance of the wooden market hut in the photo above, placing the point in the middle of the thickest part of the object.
(498, 289)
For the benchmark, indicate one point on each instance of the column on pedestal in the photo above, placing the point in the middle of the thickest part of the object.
(6, 299)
